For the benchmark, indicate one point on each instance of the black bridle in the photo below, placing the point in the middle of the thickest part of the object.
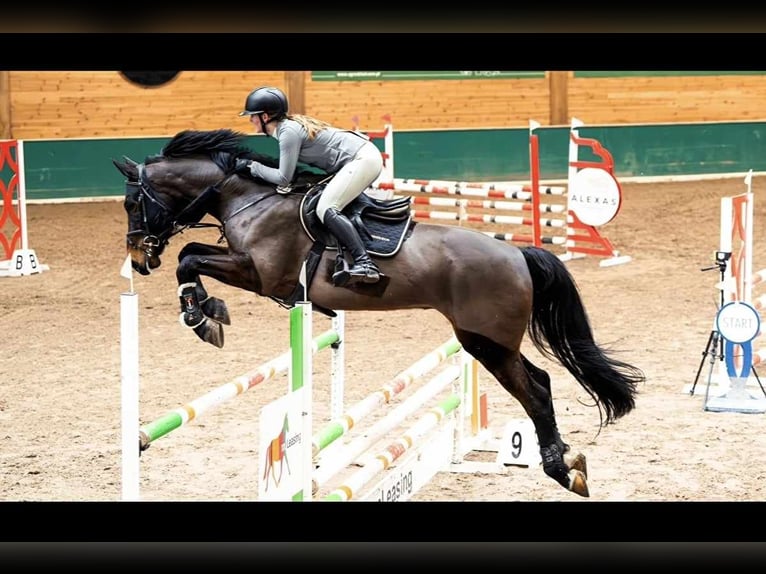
(157, 215)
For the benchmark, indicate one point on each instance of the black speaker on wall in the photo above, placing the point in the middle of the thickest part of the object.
(150, 79)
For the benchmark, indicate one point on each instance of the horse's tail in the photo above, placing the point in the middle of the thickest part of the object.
(559, 328)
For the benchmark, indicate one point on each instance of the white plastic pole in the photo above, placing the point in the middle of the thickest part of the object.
(388, 145)
(726, 225)
(337, 366)
(22, 194)
(300, 380)
(129, 386)
(748, 264)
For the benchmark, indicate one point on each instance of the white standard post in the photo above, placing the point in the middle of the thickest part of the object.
(726, 225)
(725, 243)
(24, 260)
(337, 366)
(459, 389)
(573, 154)
(22, 195)
(748, 264)
(388, 145)
(572, 170)
(748, 215)
(301, 375)
(130, 379)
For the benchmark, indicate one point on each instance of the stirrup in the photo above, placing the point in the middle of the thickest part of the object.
(367, 272)
(358, 273)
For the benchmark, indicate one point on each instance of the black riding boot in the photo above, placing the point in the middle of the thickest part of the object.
(363, 268)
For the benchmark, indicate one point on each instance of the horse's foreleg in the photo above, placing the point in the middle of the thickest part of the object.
(212, 307)
(204, 314)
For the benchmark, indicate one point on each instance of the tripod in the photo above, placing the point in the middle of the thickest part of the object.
(714, 346)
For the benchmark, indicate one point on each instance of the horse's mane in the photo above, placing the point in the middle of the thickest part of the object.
(192, 142)
(223, 146)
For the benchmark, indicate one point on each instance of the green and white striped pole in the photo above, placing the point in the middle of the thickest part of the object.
(385, 458)
(193, 409)
(341, 425)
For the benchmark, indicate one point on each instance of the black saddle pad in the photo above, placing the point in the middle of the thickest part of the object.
(383, 225)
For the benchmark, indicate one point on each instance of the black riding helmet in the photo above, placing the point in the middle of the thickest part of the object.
(266, 99)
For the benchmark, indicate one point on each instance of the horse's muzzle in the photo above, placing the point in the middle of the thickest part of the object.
(145, 251)
(143, 261)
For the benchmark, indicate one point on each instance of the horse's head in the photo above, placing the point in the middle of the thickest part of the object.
(160, 193)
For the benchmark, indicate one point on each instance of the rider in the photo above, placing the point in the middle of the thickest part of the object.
(354, 159)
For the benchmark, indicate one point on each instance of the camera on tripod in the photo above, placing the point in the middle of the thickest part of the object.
(721, 257)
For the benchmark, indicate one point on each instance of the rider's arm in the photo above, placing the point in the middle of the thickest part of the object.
(290, 141)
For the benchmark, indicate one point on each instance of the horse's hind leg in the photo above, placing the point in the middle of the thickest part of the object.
(542, 378)
(535, 397)
(531, 387)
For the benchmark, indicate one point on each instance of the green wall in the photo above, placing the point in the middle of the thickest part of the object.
(684, 149)
(638, 151)
(82, 168)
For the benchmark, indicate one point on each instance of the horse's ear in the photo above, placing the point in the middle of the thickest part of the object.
(127, 168)
(129, 161)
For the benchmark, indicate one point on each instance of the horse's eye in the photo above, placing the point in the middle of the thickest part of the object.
(130, 205)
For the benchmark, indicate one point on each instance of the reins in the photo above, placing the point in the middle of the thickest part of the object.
(277, 191)
(222, 226)
(188, 217)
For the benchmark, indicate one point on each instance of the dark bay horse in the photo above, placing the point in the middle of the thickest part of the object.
(491, 292)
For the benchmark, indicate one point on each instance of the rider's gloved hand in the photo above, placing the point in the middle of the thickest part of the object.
(242, 166)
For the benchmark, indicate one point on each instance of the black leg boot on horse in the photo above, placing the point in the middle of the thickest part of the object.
(363, 268)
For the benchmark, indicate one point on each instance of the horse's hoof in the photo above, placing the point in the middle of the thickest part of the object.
(577, 483)
(577, 463)
(210, 332)
(216, 310)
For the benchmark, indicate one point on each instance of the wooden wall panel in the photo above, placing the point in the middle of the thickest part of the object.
(434, 104)
(559, 97)
(81, 104)
(104, 104)
(5, 106)
(668, 99)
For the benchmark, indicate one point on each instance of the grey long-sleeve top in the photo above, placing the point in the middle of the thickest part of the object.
(330, 150)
